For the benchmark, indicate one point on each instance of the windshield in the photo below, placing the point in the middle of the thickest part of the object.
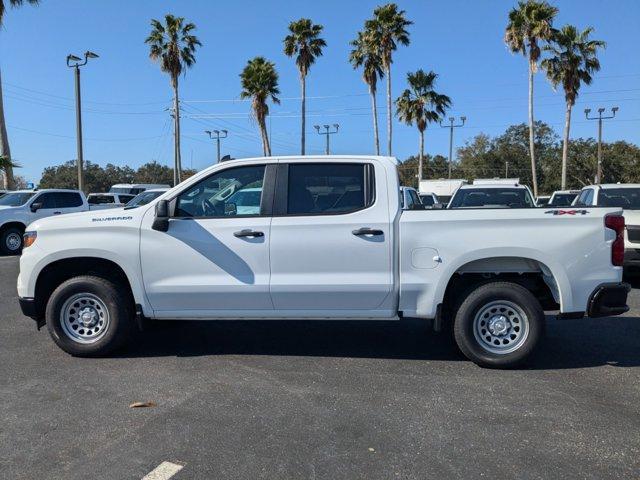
(15, 199)
(142, 199)
(492, 197)
(562, 199)
(626, 198)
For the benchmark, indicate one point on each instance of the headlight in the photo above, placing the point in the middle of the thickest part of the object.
(29, 238)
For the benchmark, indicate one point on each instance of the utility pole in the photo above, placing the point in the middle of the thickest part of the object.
(327, 132)
(600, 118)
(217, 135)
(506, 169)
(451, 126)
(76, 62)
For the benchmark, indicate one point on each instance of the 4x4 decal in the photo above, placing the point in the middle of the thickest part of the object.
(567, 212)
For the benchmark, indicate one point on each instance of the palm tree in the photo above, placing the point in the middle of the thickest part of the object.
(305, 43)
(260, 83)
(573, 60)
(387, 29)
(173, 45)
(529, 24)
(421, 104)
(366, 54)
(6, 165)
(5, 151)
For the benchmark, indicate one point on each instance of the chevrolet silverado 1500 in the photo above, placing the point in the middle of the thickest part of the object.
(327, 240)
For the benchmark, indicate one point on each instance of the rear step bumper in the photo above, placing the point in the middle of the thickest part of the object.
(609, 299)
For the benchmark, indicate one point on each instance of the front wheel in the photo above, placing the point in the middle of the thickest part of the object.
(89, 316)
(11, 241)
(499, 325)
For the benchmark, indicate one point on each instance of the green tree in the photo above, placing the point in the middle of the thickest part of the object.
(572, 62)
(173, 45)
(259, 80)
(530, 23)
(388, 29)
(420, 104)
(304, 42)
(6, 166)
(5, 151)
(366, 54)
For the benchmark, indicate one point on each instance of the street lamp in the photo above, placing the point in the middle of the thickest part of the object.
(217, 135)
(76, 62)
(327, 132)
(451, 126)
(600, 118)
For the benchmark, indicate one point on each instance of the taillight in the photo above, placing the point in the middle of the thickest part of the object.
(616, 223)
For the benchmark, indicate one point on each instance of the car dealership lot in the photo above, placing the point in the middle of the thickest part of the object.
(318, 400)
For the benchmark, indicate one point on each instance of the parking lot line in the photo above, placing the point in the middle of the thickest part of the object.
(164, 471)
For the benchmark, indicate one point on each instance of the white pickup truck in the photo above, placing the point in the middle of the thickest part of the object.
(21, 207)
(328, 241)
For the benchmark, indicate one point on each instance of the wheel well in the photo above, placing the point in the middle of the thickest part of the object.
(19, 225)
(59, 271)
(528, 273)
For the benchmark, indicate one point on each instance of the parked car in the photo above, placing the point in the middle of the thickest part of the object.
(627, 197)
(409, 199)
(542, 200)
(442, 188)
(135, 188)
(21, 207)
(330, 241)
(429, 199)
(103, 201)
(145, 197)
(492, 196)
(562, 198)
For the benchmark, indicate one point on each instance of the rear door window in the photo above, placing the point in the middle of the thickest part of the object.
(67, 199)
(328, 188)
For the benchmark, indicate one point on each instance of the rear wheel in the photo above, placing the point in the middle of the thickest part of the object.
(499, 325)
(89, 316)
(11, 241)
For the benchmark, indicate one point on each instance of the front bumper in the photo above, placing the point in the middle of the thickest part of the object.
(29, 309)
(609, 299)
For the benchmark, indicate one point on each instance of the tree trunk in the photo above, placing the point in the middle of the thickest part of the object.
(303, 85)
(389, 112)
(266, 146)
(420, 157)
(532, 153)
(177, 164)
(565, 147)
(8, 180)
(374, 109)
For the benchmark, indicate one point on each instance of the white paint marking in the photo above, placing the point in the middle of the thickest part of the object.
(164, 471)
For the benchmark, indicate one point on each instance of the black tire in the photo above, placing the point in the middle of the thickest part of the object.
(119, 328)
(480, 348)
(6, 237)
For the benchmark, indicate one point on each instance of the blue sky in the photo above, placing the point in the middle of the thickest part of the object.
(125, 94)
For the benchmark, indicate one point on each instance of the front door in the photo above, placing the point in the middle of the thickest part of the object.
(331, 241)
(214, 259)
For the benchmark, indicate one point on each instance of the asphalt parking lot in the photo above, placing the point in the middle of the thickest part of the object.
(318, 400)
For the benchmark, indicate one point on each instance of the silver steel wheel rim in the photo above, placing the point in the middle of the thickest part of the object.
(501, 327)
(13, 241)
(84, 318)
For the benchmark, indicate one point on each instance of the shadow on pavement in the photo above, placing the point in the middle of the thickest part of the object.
(569, 343)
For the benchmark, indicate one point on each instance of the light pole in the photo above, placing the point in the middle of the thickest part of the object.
(217, 135)
(451, 126)
(506, 169)
(327, 132)
(600, 118)
(76, 62)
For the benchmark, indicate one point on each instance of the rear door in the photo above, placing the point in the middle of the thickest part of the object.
(330, 240)
(69, 202)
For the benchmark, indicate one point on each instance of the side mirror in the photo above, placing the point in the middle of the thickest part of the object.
(161, 220)
(36, 206)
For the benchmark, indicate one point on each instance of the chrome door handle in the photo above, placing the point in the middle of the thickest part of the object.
(248, 233)
(57, 213)
(367, 231)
